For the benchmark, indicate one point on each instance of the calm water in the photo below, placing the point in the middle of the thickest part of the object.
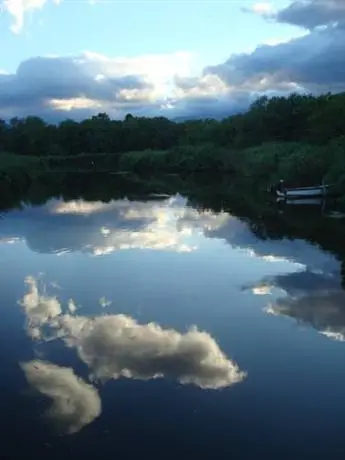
(137, 328)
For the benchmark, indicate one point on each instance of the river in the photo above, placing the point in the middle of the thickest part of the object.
(171, 326)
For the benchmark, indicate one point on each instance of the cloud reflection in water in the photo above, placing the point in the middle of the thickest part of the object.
(75, 403)
(314, 299)
(39, 308)
(102, 228)
(118, 346)
(115, 346)
(99, 228)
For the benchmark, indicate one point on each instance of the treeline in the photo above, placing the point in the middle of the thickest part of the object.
(296, 118)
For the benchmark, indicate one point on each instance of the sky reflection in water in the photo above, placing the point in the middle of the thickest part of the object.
(157, 291)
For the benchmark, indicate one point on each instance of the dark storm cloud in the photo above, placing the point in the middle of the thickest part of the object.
(212, 106)
(313, 62)
(313, 13)
(210, 96)
(39, 80)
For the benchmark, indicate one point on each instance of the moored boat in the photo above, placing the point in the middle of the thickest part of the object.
(308, 201)
(301, 192)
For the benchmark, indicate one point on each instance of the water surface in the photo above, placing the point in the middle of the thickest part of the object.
(152, 327)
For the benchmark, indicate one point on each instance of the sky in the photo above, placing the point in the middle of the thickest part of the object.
(176, 58)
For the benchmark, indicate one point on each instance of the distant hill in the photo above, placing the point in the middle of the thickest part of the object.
(191, 117)
(181, 119)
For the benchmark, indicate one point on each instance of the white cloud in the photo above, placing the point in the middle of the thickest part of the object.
(104, 303)
(338, 336)
(9, 240)
(39, 309)
(261, 8)
(74, 402)
(79, 207)
(152, 225)
(160, 227)
(72, 308)
(207, 85)
(157, 70)
(78, 103)
(188, 219)
(158, 67)
(167, 224)
(116, 346)
(19, 8)
(261, 290)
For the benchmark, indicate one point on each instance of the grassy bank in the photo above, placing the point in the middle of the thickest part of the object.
(297, 163)
(184, 159)
(11, 163)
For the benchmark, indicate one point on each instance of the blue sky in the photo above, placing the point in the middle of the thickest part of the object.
(211, 34)
(211, 30)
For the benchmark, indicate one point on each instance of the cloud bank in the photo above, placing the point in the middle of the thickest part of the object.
(102, 228)
(310, 63)
(99, 229)
(74, 402)
(82, 85)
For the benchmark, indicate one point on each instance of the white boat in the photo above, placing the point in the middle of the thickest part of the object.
(303, 192)
(312, 201)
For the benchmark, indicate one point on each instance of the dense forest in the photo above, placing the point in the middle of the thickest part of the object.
(299, 137)
(297, 118)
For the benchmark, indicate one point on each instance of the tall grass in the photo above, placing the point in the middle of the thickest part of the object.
(297, 163)
(179, 159)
